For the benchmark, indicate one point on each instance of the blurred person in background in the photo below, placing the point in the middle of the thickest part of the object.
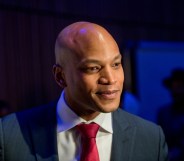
(171, 116)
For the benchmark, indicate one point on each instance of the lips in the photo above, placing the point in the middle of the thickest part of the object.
(108, 94)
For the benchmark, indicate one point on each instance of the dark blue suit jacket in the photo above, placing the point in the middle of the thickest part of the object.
(31, 136)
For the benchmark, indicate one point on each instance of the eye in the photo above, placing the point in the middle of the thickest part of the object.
(91, 70)
(116, 65)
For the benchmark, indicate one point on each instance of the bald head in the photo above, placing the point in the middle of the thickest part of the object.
(88, 69)
(78, 38)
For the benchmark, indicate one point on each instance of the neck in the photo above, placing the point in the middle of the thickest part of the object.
(86, 115)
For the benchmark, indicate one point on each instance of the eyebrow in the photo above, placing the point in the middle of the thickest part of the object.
(95, 61)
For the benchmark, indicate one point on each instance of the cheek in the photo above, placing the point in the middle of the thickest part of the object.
(88, 81)
(121, 80)
(121, 76)
(84, 89)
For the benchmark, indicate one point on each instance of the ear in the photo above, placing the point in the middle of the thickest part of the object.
(59, 75)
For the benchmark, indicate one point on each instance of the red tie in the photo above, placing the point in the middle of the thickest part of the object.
(88, 136)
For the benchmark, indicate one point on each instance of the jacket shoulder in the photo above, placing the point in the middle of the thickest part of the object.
(132, 120)
(32, 113)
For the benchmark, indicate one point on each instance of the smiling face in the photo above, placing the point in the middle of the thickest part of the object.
(93, 72)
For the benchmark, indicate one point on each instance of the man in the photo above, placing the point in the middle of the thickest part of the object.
(88, 68)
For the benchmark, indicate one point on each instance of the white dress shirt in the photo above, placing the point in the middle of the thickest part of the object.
(68, 140)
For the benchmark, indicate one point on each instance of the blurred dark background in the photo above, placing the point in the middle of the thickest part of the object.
(150, 35)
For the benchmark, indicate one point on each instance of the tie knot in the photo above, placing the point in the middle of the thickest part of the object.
(88, 130)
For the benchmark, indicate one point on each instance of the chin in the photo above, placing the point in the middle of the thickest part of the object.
(108, 108)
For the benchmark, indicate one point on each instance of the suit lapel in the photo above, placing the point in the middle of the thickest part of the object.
(123, 138)
(44, 135)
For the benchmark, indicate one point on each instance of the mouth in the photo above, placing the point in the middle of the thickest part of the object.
(108, 94)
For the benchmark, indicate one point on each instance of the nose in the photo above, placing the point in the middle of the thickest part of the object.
(107, 76)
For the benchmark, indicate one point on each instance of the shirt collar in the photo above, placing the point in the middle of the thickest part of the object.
(67, 119)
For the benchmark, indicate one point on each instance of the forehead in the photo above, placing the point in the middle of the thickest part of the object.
(97, 51)
(100, 61)
(89, 41)
(95, 45)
